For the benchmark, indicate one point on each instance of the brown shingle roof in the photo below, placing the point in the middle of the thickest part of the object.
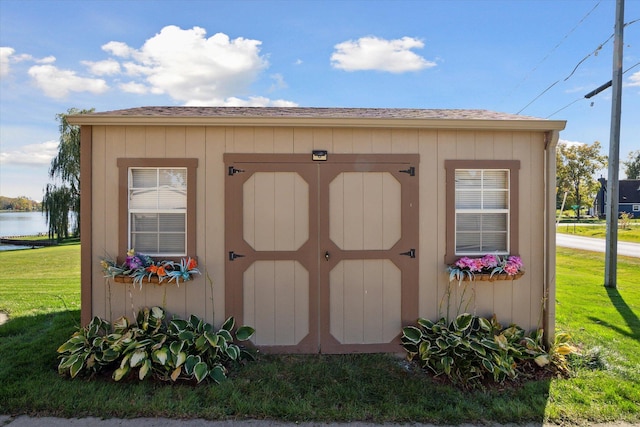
(315, 112)
(322, 117)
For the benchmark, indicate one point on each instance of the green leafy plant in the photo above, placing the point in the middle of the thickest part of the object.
(152, 347)
(471, 350)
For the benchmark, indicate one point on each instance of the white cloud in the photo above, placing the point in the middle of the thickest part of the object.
(57, 83)
(5, 56)
(31, 154)
(8, 57)
(278, 82)
(252, 101)
(570, 143)
(373, 53)
(190, 67)
(133, 87)
(118, 49)
(107, 67)
(634, 79)
(46, 60)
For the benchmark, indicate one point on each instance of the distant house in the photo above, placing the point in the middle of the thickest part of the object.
(628, 197)
(327, 229)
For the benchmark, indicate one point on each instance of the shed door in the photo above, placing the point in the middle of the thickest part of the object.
(322, 255)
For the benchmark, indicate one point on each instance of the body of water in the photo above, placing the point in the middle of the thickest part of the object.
(21, 224)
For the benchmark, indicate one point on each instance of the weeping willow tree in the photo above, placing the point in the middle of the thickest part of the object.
(61, 201)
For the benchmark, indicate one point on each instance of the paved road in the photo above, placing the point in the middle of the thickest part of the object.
(596, 245)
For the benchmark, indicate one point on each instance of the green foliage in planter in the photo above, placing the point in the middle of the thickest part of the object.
(471, 350)
(152, 347)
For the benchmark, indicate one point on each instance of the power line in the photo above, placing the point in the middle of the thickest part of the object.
(563, 108)
(595, 51)
(554, 48)
(534, 99)
(592, 93)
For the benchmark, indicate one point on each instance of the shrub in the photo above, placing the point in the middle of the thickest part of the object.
(471, 350)
(180, 349)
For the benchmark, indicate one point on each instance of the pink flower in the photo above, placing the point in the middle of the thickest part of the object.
(515, 260)
(477, 265)
(511, 269)
(464, 262)
(490, 261)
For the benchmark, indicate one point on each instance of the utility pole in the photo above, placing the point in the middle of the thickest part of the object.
(611, 250)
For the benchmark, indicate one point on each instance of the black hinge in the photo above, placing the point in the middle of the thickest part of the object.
(233, 256)
(411, 171)
(233, 171)
(411, 253)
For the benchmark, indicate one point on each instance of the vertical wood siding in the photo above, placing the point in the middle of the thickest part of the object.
(519, 301)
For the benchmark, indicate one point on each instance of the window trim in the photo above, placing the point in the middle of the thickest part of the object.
(124, 164)
(513, 166)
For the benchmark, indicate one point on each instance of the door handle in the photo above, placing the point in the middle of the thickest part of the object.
(326, 255)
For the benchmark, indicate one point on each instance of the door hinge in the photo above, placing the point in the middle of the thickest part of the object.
(411, 253)
(233, 170)
(233, 256)
(411, 171)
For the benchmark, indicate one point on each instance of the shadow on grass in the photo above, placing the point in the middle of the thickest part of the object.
(631, 318)
(287, 388)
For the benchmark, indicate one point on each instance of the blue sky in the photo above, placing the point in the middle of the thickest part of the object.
(515, 56)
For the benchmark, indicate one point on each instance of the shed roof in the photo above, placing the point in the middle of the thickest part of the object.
(314, 116)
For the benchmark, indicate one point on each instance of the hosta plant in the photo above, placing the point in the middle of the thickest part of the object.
(154, 347)
(472, 350)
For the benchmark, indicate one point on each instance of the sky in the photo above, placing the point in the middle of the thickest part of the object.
(536, 58)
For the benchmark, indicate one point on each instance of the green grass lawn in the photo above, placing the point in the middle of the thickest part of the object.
(630, 234)
(40, 291)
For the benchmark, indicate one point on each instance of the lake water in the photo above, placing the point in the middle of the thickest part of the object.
(21, 224)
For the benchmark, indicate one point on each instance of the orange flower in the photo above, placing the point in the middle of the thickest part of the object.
(152, 269)
(161, 271)
(192, 264)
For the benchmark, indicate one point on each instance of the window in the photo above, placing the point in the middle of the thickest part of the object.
(158, 210)
(636, 208)
(482, 208)
(157, 206)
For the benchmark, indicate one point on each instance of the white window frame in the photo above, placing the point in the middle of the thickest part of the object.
(156, 211)
(481, 210)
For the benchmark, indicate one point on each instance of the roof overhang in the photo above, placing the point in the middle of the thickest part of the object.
(264, 119)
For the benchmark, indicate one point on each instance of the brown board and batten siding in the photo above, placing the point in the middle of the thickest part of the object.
(208, 134)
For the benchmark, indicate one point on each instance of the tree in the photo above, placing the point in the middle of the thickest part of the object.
(632, 166)
(62, 197)
(576, 165)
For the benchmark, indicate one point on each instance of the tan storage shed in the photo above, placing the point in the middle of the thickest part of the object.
(327, 229)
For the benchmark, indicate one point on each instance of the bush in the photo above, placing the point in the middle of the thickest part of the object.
(180, 349)
(472, 350)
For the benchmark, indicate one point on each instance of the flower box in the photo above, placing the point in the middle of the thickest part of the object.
(140, 268)
(488, 268)
(152, 279)
(487, 277)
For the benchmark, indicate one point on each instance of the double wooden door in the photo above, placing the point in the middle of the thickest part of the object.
(322, 255)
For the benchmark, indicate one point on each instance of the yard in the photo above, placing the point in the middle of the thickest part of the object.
(631, 233)
(40, 291)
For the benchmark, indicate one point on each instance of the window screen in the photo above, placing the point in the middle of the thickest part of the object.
(482, 211)
(158, 211)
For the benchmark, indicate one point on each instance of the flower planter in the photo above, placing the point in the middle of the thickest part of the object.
(486, 277)
(152, 279)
